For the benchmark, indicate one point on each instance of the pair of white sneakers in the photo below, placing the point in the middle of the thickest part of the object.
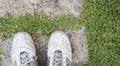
(23, 50)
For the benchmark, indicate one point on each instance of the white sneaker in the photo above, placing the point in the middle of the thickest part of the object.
(23, 51)
(59, 50)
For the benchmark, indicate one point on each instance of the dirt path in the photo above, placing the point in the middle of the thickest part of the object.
(55, 7)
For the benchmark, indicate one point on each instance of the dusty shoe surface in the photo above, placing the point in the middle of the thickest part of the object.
(23, 51)
(59, 49)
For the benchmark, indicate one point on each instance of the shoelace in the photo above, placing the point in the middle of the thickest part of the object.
(25, 60)
(57, 59)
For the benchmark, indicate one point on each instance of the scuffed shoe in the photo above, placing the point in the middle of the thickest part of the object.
(59, 50)
(23, 51)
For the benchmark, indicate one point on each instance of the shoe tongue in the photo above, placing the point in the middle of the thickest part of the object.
(58, 54)
(58, 61)
(23, 55)
(26, 60)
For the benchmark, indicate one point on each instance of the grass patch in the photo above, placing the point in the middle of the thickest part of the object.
(36, 22)
(102, 21)
(103, 31)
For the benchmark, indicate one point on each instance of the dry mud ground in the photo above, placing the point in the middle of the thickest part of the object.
(54, 7)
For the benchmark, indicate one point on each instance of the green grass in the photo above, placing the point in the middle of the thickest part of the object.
(102, 21)
(34, 23)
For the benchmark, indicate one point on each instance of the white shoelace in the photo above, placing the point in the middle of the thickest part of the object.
(25, 60)
(57, 59)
